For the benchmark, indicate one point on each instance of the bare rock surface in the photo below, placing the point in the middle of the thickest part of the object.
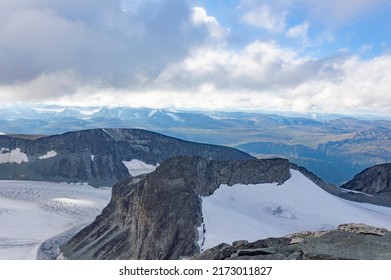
(373, 180)
(348, 241)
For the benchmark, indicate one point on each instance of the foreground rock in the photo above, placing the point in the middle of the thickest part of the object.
(156, 216)
(348, 241)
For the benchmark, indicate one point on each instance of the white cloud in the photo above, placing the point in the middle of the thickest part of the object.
(261, 76)
(263, 16)
(266, 76)
(298, 31)
(200, 17)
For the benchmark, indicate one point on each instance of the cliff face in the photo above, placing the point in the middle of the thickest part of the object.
(156, 216)
(374, 180)
(96, 156)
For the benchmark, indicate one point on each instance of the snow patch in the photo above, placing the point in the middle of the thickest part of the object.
(201, 235)
(137, 167)
(13, 156)
(2, 133)
(175, 117)
(254, 212)
(92, 157)
(49, 154)
(153, 112)
(49, 110)
(353, 191)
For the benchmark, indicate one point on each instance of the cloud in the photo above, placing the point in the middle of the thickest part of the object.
(265, 75)
(201, 18)
(263, 14)
(166, 53)
(111, 43)
(298, 31)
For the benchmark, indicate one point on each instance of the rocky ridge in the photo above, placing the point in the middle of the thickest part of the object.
(373, 180)
(96, 156)
(348, 241)
(156, 216)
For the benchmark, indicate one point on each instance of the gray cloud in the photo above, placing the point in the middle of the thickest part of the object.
(108, 43)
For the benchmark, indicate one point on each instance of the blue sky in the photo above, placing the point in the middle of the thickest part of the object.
(283, 55)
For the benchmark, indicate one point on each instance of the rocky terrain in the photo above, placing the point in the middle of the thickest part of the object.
(161, 215)
(156, 216)
(347, 242)
(96, 156)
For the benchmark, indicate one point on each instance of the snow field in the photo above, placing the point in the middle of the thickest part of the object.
(32, 212)
(253, 212)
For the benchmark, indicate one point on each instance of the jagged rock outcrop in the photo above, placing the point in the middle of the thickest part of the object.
(348, 241)
(96, 156)
(156, 216)
(373, 180)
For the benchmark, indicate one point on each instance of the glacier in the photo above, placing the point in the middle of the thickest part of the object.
(32, 212)
(253, 212)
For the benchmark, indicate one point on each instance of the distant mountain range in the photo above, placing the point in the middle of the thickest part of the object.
(333, 147)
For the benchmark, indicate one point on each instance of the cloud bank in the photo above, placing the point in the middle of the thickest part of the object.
(172, 53)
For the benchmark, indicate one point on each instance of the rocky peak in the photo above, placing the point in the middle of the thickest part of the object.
(156, 216)
(373, 180)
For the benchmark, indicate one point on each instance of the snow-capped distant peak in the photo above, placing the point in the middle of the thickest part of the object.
(49, 109)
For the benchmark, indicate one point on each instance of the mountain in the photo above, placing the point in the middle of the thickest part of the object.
(191, 204)
(100, 157)
(334, 147)
(373, 181)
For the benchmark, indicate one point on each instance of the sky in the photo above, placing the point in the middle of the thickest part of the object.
(284, 55)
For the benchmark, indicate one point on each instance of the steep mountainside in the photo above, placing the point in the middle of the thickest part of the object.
(97, 156)
(374, 180)
(190, 204)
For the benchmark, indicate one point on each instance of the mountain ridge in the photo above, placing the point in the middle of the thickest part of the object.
(96, 156)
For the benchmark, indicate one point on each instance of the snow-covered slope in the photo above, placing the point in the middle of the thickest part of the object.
(31, 212)
(253, 212)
